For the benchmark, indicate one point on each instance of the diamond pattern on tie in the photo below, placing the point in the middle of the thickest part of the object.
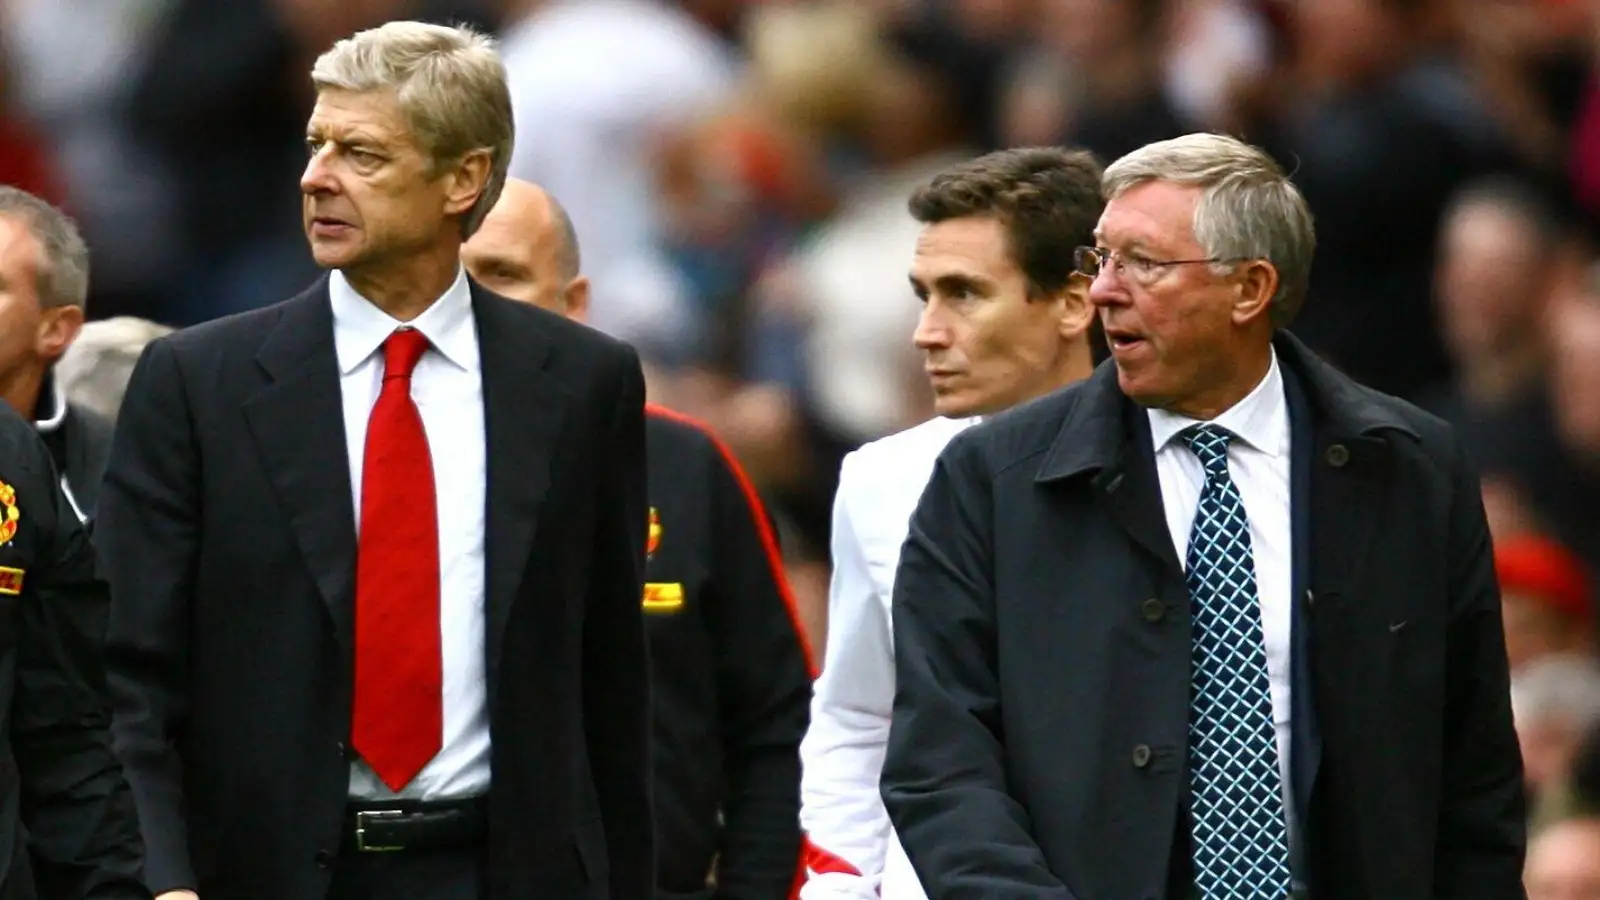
(1240, 838)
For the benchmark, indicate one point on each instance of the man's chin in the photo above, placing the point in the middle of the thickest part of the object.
(954, 407)
(333, 257)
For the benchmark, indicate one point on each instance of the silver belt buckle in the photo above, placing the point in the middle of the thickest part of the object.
(367, 815)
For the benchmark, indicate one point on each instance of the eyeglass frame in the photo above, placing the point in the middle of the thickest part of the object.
(1154, 266)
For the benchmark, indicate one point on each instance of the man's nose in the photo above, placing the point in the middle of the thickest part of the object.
(1106, 289)
(318, 175)
(931, 334)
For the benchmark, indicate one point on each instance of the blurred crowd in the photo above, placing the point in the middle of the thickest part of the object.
(737, 174)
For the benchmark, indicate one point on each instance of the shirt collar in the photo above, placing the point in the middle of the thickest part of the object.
(1261, 419)
(51, 410)
(360, 328)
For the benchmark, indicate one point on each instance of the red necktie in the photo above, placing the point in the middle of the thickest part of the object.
(399, 708)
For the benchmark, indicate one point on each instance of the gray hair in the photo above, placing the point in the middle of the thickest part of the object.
(1249, 209)
(1563, 689)
(63, 276)
(94, 371)
(451, 85)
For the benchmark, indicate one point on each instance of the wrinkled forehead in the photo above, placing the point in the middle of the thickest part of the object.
(347, 116)
(1150, 214)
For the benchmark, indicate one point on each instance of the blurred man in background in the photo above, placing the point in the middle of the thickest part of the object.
(94, 371)
(1546, 599)
(1564, 861)
(44, 287)
(1005, 318)
(730, 670)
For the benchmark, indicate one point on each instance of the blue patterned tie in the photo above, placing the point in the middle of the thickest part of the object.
(1240, 839)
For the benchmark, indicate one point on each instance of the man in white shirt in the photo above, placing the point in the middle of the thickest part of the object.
(594, 84)
(1005, 318)
(377, 551)
(1216, 623)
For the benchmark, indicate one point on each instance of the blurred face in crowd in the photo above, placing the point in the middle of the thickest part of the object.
(371, 195)
(986, 345)
(1488, 287)
(521, 252)
(31, 335)
(1186, 337)
(1564, 862)
(1083, 30)
(1341, 41)
(1575, 371)
(1535, 630)
(1549, 744)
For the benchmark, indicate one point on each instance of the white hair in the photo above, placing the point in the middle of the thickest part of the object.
(451, 85)
(1562, 689)
(94, 371)
(1248, 208)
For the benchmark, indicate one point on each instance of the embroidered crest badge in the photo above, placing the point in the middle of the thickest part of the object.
(9, 513)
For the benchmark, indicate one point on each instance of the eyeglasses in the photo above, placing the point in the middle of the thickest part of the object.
(1139, 269)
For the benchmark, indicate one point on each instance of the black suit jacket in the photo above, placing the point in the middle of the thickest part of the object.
(1042, 637)
(226, 524)
(68, 827)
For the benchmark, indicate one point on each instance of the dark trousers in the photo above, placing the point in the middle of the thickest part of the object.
(451, 874)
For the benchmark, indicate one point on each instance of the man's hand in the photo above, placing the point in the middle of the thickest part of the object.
(178, 895)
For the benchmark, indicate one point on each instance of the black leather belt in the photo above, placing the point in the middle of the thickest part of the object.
(414, 825)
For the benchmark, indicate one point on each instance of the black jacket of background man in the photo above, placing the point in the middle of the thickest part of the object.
(731, 675)
(68, 826)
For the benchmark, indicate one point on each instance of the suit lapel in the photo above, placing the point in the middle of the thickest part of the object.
(523, 408)
(1104, 434)
(297, 423)
(1132, 492)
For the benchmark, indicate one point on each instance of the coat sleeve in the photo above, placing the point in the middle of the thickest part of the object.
(763, 687)
(147, 533)
(1483, 809)
(84, 830)
(841, 810)
(616, 686)
(944, 775)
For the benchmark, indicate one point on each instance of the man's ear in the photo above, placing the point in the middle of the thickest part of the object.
(468, 180)
(1077, 313)
(575, 298)
(1257, 282)
(58, 328)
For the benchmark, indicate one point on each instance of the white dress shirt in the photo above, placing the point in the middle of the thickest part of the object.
(447, 387)
(1258, 461)
(593, 83)
(842, 753)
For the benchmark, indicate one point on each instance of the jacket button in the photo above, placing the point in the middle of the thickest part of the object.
(1141, 756)
(1337, 455)
(324, 859)
(1153, 610)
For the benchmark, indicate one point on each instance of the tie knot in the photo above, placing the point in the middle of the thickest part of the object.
(1210, 444)
(401, 350)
